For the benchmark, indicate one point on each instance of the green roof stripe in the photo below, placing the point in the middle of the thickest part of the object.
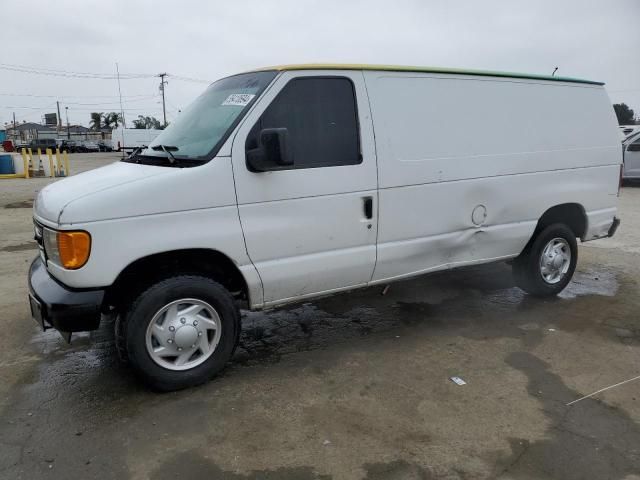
(404, 68)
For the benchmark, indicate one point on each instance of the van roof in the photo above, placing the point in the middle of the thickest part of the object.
(404, 68)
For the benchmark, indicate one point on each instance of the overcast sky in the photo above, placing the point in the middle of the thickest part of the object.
(207, 39)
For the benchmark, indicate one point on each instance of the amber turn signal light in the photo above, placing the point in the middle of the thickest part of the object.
(74, 248)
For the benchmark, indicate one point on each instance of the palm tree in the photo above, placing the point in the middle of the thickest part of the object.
(112, 119)
(106, 120)
(96, 120)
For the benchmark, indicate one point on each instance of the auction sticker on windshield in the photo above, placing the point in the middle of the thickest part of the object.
(238, 99)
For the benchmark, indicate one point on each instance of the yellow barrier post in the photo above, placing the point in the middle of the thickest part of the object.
(40, 171)
(67, 172)
(25, 161)
(29, 159)
(59, 163)
(52, 171)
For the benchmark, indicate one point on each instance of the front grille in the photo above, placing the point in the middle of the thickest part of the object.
(37, 230)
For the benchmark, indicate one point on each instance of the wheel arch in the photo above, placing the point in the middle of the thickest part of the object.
(571, 214)
(200, 261)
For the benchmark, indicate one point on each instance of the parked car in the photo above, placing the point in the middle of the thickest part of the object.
(629, 130)
(303, 200)
(631, 157)
(18, 145)
(42, 144)
(91, 146)
(69, 146)
(104, 146)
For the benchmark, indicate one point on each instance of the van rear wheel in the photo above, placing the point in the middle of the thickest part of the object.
(181, 332)
(546, 265)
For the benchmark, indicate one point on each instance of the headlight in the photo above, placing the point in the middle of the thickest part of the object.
(69, 249)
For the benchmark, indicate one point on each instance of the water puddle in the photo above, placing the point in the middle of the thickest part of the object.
(591, 282)
(25, 204)
(20, 247)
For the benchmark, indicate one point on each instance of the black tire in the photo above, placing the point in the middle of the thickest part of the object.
(136, 319)
(527, 270)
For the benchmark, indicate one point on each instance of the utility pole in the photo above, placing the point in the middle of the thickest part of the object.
(59, 119)
(163, 82)
(66, 111)
(14, 126)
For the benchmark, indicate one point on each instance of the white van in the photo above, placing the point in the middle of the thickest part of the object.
(288, 183)
(128, 139)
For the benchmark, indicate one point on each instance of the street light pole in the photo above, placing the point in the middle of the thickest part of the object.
(162, 84)
(59, 122)
(66, 111)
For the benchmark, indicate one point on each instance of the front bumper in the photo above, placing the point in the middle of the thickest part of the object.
(53, 305)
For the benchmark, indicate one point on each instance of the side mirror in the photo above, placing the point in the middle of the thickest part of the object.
(273, 151)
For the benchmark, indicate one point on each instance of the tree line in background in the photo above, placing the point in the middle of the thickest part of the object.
(101, 120)
(626, 115)
(111, 120)
(147, 122)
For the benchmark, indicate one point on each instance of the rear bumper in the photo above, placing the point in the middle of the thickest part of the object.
(614, 227)
(60, 307)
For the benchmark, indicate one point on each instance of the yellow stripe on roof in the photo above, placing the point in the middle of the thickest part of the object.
(405, 68)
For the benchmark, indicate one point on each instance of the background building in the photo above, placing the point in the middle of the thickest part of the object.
(29, 131)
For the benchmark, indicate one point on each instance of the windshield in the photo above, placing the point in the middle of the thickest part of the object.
(201, 129)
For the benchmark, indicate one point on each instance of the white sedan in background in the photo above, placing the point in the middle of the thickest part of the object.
(631, 156)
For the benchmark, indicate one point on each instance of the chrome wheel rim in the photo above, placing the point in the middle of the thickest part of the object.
(555, 260)
(183, 334)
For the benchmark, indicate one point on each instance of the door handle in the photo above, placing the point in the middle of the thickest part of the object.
(367, 203)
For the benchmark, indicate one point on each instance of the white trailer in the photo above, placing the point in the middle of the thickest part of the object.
(128, 139)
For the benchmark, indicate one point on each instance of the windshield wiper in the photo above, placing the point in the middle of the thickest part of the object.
(166, 149)
(135, 155)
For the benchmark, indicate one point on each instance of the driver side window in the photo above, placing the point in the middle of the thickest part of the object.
(320, 116)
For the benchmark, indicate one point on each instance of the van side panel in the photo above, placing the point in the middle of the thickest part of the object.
(467, 165)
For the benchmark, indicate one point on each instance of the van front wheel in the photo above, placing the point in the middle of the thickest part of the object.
(546, 265)
(181, 331)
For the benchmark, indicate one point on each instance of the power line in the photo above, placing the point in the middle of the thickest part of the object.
(148, 97)
(28, 107)
(91, 75)
(70, 74)
(189, 79)
(74, 109)
(104, 104)
(71, 96)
